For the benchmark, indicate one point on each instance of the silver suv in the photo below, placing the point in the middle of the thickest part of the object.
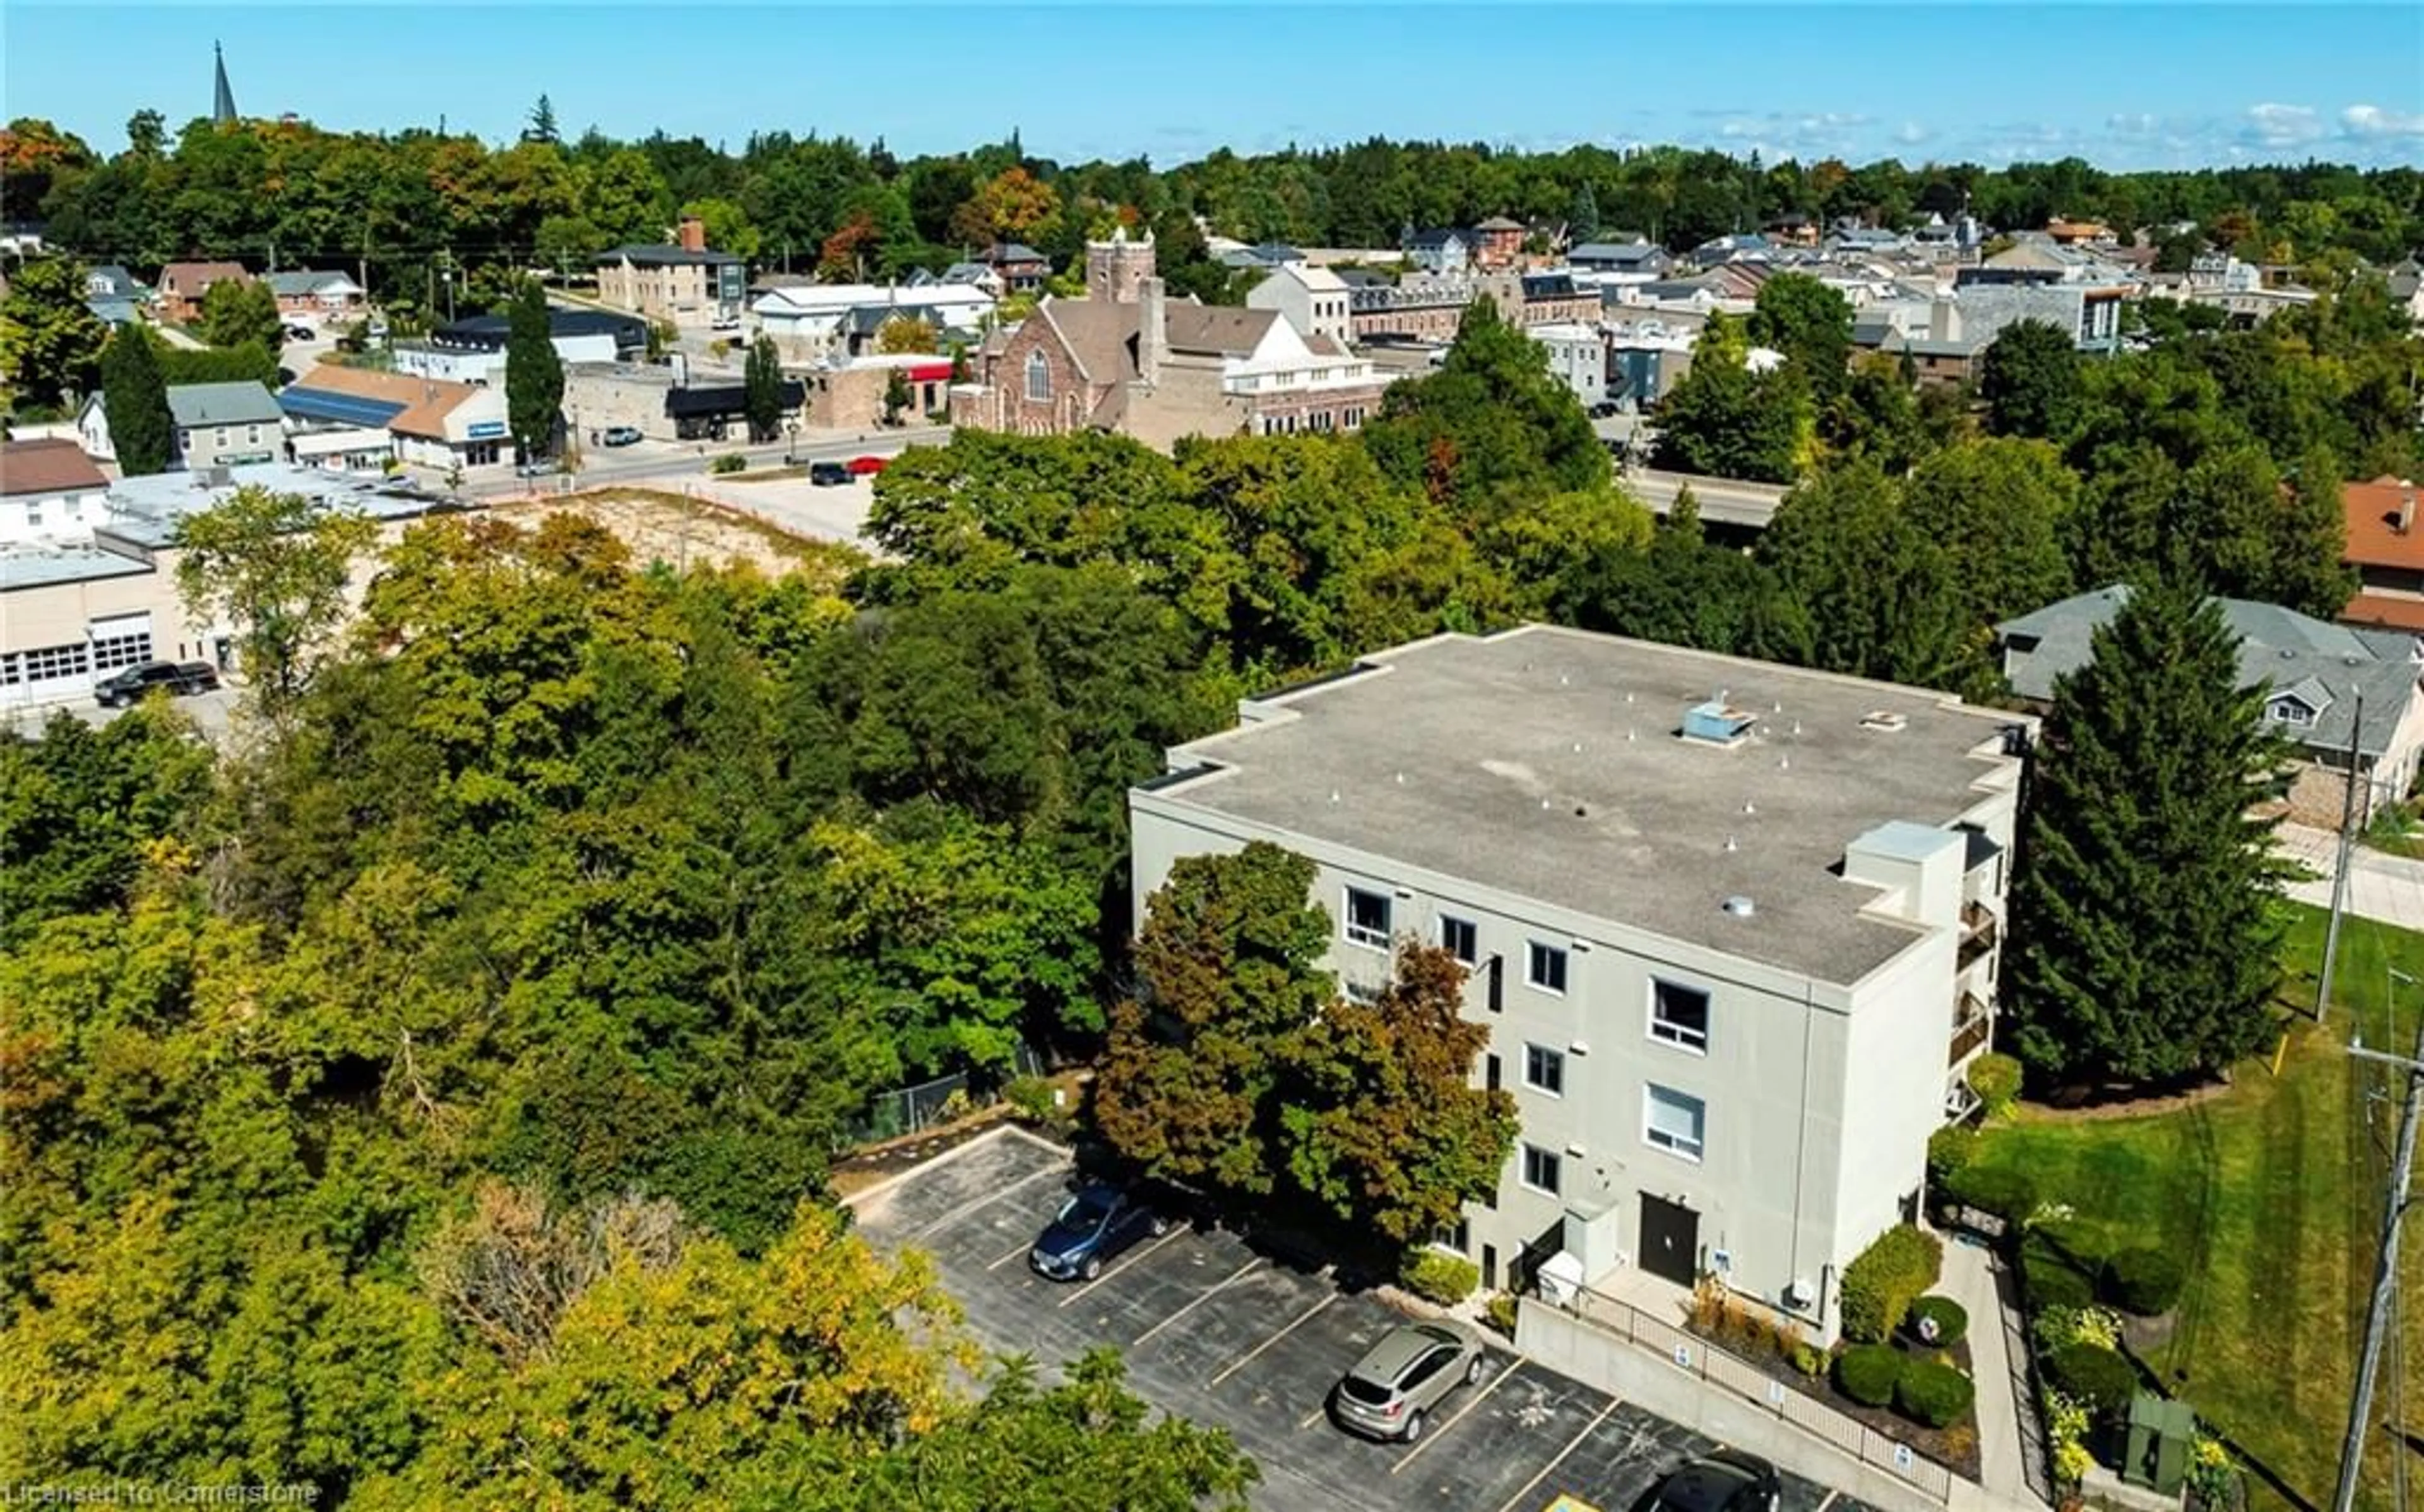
(1404, 1377)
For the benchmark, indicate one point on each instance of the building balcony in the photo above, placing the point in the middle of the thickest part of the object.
(1979, 931)
(1974, 1023)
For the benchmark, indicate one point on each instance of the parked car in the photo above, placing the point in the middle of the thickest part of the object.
(828, 474)
(1726, 1481)
(729, 323)
(534, 469)
(301, 333)
(1403, 1379)
(622, 435)
(1090, 1229)
(867, 466)
(121, 688)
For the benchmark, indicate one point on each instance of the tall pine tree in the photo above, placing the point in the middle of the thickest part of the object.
(533, 373)
(2146, 917)
(134, 397)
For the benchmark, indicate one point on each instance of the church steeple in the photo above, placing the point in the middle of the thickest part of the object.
(222, 98)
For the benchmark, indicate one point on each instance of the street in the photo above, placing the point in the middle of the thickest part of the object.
(665, 461)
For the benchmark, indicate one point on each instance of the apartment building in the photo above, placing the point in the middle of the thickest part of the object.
(1733, 926)
(685, 283)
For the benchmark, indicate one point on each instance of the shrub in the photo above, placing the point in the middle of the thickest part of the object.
(2144, 1281)
(1436, 1276)
(1867, 1373)
(1499, 1313)
(2059, 1326)
(728, 462)
(1996, 1080)
(1030, 1097)
(2008, 1194)
(1938, 1396)
(1950, 1148)
(1809, 1359)
(2049, 1278)
(2096, 1377)
(1950, 1318)
(1880, 1285)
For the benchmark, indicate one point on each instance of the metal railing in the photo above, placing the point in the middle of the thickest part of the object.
(1969, 1028)
(1695, 1355)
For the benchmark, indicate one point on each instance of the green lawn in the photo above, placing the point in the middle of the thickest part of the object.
(2272, 1190)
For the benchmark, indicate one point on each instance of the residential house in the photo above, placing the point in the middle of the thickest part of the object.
(2068, 232)
(343, 417)
(1314, 300)
(1637, 259)
(183, 285)
(976, 275)
(1498, 243)
(1021, 268)
(1263, 256)
(2387, 547)
(110, 280)
(1128, 358)
(45, 489)
(224, 425)
(1646, 358)
(1577, 359)
(2314, 675)
(306, 292)
(1437, 249)
(685, 283)
(2406, 280)
(843, 320)
(1732, 929)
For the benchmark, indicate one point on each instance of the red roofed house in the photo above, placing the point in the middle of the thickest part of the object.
(2385, 544)
(183, 285)
(48, 487)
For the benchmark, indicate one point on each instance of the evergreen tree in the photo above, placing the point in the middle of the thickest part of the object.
(1582, 221)
(533, 373)
(2144, 917)
(135, 398)
(542, 122)
(762, 390)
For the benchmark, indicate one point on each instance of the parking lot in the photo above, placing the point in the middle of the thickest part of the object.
(1219, 1332)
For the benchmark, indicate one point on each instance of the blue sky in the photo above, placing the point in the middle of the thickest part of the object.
(2124, 86)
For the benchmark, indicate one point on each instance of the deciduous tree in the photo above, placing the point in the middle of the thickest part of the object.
(763, 389)
(2029, 377)
(275, 566)
(237, 312)
(50, 343)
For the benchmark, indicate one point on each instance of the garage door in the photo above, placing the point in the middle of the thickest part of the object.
(120, 641)
(45, 674)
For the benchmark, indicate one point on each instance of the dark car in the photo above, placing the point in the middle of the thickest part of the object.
(1090, 1229)
(828, 474)
(1726, 1481)
(127, 687)
(301, 333)
(1404, 1377)
(621, 435)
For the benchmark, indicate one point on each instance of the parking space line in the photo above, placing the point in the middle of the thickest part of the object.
(1120, 1265)
(1313, 1417)
(1139, 1341)
(1240, 1363)
(989, 1199)
(1025, 1246)
(1576, 1443)
(1829, 1501)
(1434, 1436)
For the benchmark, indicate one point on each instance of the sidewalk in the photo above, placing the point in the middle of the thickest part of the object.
(2386, 889)
(2005, 1436)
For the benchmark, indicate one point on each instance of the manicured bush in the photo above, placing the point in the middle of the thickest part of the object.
(2007, 1193)
(2145, 1280)
(1867, 1373)
(2096, 1377)
(1996, 1080)
(1809, 1359)
(1436, 1276)
(1499, 1313)
(1950, 1318)
(728, 462)
(1880, 1285)
(2048, 1283)
(1950, 1148)
(1938, 1396)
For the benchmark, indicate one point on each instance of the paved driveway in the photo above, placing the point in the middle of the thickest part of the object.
(1223, 1333)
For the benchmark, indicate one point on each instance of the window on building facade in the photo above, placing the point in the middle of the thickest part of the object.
(121, 651)
(1545, 968)
(1540, 1168)
(1673, 1121)
(1367, 918)
(46, 663)
(1544, 1070)
(1459, 938)
(33, 516)
(1678, 1015)
(1039, 377)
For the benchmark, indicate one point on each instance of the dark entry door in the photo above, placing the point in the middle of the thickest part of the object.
(1671, 1240)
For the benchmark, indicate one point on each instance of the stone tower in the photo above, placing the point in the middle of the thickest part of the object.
(1116, 270)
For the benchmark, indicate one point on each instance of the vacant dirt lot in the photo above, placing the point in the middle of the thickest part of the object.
(679, 532)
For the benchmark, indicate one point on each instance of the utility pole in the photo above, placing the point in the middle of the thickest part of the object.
(2340, 872)
(2386, 1268)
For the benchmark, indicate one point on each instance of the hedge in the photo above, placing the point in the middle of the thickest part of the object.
(1890, 1274)
(1996, 1080)
(1436, 1276)
(1951, 1321)
(2096, 1377)
(1938, 1396)
(2144, 1281)
(2010, 1195)
(1950, 1148)
(1867, 1373)
(2050, 1282)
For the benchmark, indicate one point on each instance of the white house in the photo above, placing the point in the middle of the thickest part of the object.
(1314, 300)
(1732, 928)
(49, 491)
(831, 319)
(1577, 358)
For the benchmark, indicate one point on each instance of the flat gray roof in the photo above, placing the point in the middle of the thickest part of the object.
(42, 566)
(147, 510)
(1548, 763)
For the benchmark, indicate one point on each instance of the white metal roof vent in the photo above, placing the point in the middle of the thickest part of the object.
(1740, 906)
(1887, 720)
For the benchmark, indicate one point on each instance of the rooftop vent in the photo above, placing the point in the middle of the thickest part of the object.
(1716, 723)
(1884, 719)
(1739, 906)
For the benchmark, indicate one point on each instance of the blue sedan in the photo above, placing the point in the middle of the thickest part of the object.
(1092, 1228)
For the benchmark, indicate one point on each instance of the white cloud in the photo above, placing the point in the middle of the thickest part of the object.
(2372, 120)
(1910, 134)
(2277, 125)
(2132, 123)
